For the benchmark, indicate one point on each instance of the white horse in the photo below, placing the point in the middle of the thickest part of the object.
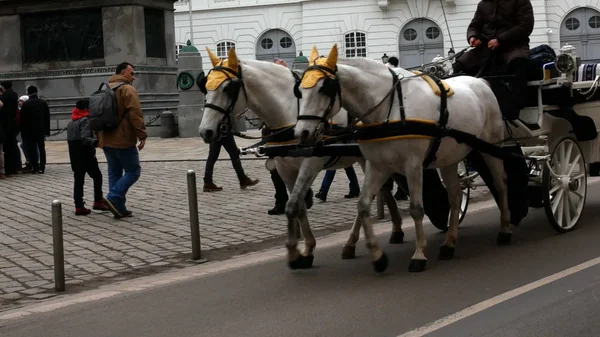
(267, 89)
(367, 92)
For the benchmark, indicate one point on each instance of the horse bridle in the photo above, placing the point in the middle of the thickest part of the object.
(331, 88)
(232, 89)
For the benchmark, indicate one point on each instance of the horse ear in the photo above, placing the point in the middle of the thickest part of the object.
(214, 59)
(232, 59)
(313, 56)
(333, 57)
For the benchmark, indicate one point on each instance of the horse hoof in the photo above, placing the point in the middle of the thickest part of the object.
(397, 237)
(302, 262)
(381, 264)
(348, 252)
(417, 266)
(503, 239)
(295, 264)
(446, 253)
(307, 261)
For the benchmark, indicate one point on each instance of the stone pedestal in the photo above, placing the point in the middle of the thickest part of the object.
(191, 99)
(67, 49)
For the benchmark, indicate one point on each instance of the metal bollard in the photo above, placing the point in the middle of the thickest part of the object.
(380, 214)
(194, 222)
(57, 239)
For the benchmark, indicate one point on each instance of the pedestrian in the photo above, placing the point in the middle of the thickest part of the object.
(82, 154)
(23, 144)
(328, 179)
(8, 115)
(35, 127)
(119, 144)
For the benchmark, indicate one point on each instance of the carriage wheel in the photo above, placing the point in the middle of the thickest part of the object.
(466, 191)
(565, 185)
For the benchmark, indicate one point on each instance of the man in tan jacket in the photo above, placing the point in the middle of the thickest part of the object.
(119, 144)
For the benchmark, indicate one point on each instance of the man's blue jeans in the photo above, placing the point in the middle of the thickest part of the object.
(120, 160)
(350, 173)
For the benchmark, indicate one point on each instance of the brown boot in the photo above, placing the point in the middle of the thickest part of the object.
(247, 182)
(211, 187)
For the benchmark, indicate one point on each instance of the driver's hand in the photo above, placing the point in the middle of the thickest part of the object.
(474, 42)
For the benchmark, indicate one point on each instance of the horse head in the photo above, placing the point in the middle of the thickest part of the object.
(320, 93)
(222, 87)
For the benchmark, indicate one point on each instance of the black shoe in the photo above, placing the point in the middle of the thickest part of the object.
(278, 209)
(352, 195)
(321, 196)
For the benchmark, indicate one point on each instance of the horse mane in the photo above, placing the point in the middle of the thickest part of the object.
(268, 67)
(371, 66)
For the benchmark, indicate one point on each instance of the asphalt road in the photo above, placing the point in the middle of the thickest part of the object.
(466, 296)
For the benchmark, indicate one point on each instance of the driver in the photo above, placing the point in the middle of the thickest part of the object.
(500, 31)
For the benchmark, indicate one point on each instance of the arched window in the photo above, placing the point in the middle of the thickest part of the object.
(355, 44)
(223, 48)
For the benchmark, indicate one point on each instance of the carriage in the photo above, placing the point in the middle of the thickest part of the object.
(557, 132)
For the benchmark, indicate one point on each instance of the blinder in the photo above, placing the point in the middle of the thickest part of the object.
(202, 84)
(331, 88)
(231, 89)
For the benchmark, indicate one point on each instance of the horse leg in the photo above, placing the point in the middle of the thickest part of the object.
(349, 248)
(496, 167)
(414, 179)
(397, 232)
(296, 213)
(397, 235)
(450, 176)
(374, 179)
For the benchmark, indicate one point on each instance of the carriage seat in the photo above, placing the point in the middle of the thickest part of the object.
(587, 72)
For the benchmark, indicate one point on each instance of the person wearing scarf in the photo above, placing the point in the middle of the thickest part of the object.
(82, 154)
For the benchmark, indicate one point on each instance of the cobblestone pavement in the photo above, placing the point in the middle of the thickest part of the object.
(100, 249)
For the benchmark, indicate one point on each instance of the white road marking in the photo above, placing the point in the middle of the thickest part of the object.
(481, 306)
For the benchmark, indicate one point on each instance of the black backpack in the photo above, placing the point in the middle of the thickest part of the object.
(541, 55)
(103, 108)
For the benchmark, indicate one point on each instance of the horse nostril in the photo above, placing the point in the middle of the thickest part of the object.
(208, 135)
(304, 135)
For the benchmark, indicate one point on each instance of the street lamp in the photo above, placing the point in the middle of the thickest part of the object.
(384, 58)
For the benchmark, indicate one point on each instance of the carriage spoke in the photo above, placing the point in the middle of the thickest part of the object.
(567, 160)
(567, 210)
(579, 176)
(556, 201)
(554, 189)
(577, 193)
(560, 215)
(561, 159)
(574, 164)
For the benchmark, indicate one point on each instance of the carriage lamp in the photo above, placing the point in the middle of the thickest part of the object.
(566, 63)
(384, 58)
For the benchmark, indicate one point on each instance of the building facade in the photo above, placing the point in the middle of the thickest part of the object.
(415, 31)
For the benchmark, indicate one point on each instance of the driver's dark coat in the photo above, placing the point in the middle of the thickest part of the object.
(509, 21)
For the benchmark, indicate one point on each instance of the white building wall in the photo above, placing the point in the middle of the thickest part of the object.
(324, 22)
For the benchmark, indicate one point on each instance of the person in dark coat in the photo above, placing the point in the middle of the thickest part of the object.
(82, 154)
(8, 119)
(500, 31)
(35, 127)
